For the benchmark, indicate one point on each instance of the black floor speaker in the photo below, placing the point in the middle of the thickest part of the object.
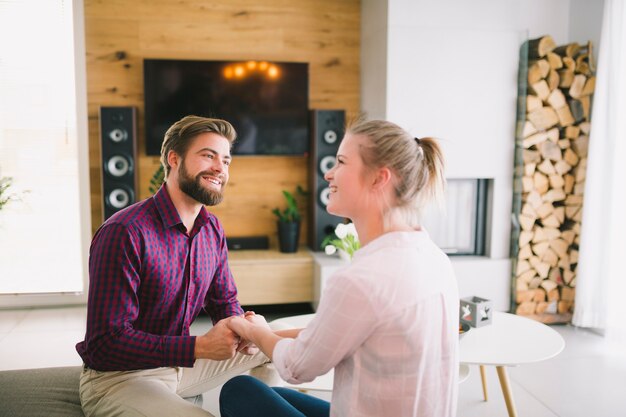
(118, 136)
(327, 129)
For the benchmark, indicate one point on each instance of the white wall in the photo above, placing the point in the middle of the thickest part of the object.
(451, 72)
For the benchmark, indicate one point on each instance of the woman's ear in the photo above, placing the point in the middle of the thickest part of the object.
(382, 177)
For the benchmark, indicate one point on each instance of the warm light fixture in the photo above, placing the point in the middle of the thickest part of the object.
(241, 70)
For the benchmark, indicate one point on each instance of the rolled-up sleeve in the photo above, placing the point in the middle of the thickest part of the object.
(344, 320)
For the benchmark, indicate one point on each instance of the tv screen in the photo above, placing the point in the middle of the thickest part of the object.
(267, 102)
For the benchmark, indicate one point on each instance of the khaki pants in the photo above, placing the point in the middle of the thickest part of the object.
(160, 391)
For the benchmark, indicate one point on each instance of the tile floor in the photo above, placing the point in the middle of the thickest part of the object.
(587, 379)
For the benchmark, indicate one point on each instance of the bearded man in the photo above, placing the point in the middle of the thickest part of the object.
(152, 268)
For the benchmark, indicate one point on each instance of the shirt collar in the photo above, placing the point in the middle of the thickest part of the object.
(169, 214)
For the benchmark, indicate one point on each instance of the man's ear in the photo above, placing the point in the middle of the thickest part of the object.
(173, 159)
(382, 178)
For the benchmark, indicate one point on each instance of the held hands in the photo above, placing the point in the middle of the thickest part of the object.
(244, 327)
(223, 341)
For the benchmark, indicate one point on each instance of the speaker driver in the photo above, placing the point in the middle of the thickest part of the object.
(330, 137)
(119, 198)
(118, 166)
(118, 135)
(327, 163)
(324, 196)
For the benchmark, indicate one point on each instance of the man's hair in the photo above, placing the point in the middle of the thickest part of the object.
(180, 135)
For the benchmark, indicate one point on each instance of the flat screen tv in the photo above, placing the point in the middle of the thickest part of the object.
(267, 102)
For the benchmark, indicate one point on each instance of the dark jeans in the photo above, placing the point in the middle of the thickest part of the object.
(247, 396)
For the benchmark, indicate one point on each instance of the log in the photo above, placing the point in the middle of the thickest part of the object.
(569, 183)
(540, 248)
(576, 89)
(565, 116)
(581, 145)
(590, 86)
(528, 210)
(556, 181)
(534, 283)
(540, 295)
(542, 90)
(559, 246)
(570, 211)
(555, 276)
(551, 221)
(527, 276)
(538, 70)
(529, 169)
(550, 150)
(525, 237)
(524, 296)
(534, 199)
(542, 268)
(567, 294)
(551, 258)
(539, 236)
(546, 167)
(577, 110)
(579, 188)
(533, 103)
(545, 210)
(538, 48)
(569, 50)
(585, 127)
(529, 128)
(571, 132)
(559, 213)
(564, 306)
(541, 182)
(555, 194)
(570, 157)
(553, 80)
(534, 140)
(573, 256)
(542, 307)
(527, 184)
(582, 64)
(525, 309)
(562, 167)
(566, 77)
(526, 222)
(581, 170)
(568, 236)
(585, 101)
(574, 200)
(548, 285)
(556, 99)
(551, 233)
(553, 294)
(564, 143)
(531, 156)
(543, 118)
(522, 266)
(578, 217)
(554, 60)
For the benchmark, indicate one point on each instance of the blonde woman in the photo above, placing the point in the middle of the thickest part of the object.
(388, 322)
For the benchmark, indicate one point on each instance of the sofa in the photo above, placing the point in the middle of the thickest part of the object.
(48, 392)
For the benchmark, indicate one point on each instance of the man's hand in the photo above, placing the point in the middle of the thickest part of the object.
(219, 343)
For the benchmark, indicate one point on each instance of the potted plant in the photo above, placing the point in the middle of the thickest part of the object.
(289, 222)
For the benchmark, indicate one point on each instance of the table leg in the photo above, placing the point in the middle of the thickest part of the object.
(506, 390)
(483, 379)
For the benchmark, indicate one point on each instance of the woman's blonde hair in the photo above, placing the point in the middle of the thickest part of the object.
(418, 165)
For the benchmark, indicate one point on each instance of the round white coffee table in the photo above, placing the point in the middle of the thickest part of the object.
(509, 340)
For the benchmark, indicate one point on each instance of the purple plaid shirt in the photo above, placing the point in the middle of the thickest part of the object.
(148, 281)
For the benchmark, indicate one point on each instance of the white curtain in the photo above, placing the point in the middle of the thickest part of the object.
(601, 281)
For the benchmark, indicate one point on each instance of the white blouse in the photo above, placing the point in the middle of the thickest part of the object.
(388, 324)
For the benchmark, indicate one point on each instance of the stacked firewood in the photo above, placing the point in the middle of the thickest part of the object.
(555, 136)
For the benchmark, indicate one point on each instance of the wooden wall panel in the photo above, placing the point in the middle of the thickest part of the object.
(121, 33)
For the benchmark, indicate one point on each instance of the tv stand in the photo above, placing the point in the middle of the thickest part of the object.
(272, 277)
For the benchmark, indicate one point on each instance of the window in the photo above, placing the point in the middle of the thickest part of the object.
(43, 147)
(459, 229)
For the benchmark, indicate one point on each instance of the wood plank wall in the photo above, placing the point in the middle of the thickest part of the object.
(121, 33)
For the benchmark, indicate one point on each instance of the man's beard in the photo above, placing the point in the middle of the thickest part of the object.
(193, 188)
